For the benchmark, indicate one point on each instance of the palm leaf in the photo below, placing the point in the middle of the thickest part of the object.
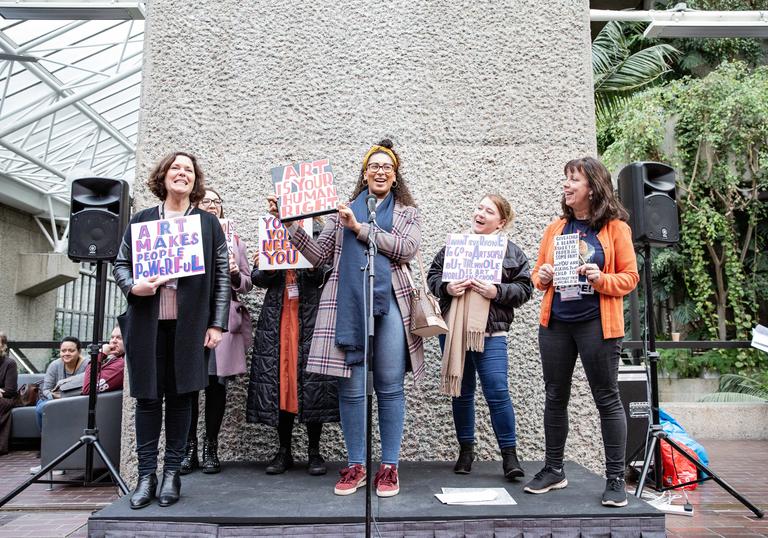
(738, 388)
(731, 397)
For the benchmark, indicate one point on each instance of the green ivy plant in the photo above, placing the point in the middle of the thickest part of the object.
(714, 131)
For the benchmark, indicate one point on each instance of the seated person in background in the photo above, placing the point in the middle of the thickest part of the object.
(69, 363)
(9, 379)
(112, 365)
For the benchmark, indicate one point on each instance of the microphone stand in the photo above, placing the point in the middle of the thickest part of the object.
(368, 364)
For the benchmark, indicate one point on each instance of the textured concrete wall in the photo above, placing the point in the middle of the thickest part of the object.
(23, 318)
(477, 96)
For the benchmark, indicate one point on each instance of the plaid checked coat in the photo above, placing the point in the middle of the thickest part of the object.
(400, 246)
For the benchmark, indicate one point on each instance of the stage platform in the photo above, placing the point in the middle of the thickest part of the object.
(243, 501)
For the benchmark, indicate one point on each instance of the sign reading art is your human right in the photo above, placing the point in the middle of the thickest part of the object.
(304, 189)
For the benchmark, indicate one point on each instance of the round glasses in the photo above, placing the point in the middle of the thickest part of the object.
(205, 202)
(375, 167)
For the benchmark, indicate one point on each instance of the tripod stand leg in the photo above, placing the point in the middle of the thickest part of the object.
(110, 467)
(44, 470)
(646, 465)
(722, 483)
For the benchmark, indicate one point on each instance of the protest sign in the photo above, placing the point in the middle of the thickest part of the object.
(304, 189)
(566, 260)
(275, 248)
(167, 248)
(477, 256)
(228, 227)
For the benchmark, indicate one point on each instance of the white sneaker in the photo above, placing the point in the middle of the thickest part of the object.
(35, 469)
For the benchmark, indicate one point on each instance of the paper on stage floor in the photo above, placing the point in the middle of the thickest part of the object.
(475, 496)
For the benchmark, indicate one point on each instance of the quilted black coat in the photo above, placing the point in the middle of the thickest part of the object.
(318, 399)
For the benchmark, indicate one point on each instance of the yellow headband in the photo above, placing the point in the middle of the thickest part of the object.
(379, 149)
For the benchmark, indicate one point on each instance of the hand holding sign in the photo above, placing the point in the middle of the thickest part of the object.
(147, 287)
(486, 289)
(546, 273)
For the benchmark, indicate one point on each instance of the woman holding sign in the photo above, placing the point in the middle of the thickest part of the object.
(163, 243)
(479, 314)
(582, 314)
(280, 389)
(228, 358)
(339, 339)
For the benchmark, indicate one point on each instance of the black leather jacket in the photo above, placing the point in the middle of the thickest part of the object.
(514, 291)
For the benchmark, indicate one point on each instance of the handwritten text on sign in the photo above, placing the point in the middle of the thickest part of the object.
(477, 256)
(169, 247)
(566, 260)
(228, 227)
(304, 189)
(275, 248)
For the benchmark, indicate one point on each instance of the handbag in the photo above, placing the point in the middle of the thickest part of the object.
(29, 394)
(426, 319)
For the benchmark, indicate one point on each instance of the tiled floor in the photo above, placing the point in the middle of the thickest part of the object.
(743, 464)
(38, 512)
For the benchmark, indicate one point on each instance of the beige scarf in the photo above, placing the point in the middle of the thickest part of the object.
(466, 322)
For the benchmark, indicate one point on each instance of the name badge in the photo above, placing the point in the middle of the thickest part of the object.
(293, 291)
(570, 293)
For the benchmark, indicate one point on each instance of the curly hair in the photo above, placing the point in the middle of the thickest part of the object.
(400, 188)
(156, 181)
(603, 204)
(3, 345)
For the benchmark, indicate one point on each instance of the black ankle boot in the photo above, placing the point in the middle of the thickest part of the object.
(211, 463)
(316, 463)
(510, 463)
(144, 492)
(466, 457)
(282, 461)
(170, 488)
(190, 461)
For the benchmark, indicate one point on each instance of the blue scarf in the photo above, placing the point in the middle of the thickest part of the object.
(351, 297)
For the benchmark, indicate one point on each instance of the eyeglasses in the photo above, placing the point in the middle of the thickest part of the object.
(386, 168)
(208, 201)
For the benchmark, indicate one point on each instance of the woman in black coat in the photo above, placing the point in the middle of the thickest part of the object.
(314, 399)
(163, 363)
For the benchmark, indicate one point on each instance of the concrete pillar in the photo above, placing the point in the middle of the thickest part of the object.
(477, 97)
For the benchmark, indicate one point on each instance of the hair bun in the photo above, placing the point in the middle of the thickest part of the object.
(386, 143)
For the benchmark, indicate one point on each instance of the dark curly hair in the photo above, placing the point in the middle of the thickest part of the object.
(156, 179)
(603, 205)
(399, 188)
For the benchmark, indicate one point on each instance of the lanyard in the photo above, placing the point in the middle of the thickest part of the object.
(162, 210)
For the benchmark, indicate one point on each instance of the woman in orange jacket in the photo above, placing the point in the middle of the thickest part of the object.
(585, 319)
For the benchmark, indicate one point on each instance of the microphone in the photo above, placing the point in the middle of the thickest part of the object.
(370, 200)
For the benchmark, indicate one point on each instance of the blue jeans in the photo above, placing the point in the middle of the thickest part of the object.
(389, 349)
(491, 366)
(39, 412)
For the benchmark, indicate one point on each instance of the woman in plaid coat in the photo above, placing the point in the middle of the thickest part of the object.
(339, 338)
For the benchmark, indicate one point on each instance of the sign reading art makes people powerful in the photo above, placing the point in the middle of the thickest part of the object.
(167, 248)
(476, 256)
(275, 248)
(304, 189)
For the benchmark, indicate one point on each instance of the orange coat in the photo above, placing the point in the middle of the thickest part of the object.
(619, 274)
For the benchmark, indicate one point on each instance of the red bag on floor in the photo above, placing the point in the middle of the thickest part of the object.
(677, 469)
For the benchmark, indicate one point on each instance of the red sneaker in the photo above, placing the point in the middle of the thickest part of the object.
(352, 477)
(386, 482)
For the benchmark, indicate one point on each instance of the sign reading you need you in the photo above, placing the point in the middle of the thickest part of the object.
(475, 256)
(304, 189)
(167, 248)
(275, 248)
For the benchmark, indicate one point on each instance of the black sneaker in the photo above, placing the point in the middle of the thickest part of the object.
(615, 493)
(545, 480)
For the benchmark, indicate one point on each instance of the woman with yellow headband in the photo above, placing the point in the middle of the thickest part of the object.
(339, 339)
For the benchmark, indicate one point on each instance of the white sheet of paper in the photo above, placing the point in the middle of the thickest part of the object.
(475, 496)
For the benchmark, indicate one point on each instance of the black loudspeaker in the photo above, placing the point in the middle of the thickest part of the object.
(633, 388)
(99, 210)
(647, 190)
